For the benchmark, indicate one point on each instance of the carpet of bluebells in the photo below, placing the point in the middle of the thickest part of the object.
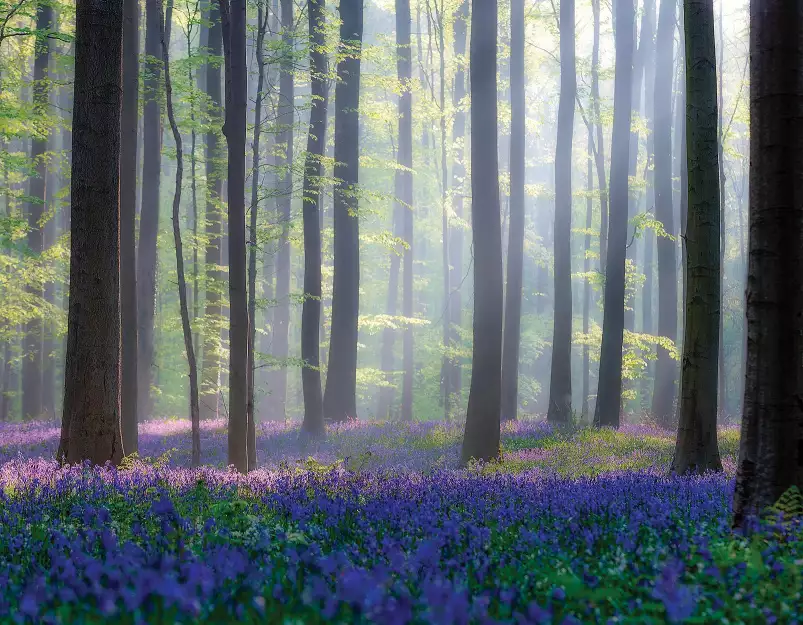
(377, 524)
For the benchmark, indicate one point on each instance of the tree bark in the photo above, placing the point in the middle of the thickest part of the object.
(560, 384)
(313, 170)
(91, 428)
(665, 368)
(586, 271)
(771, 447)
(340, 397)
(599, 158)
(696, 450)
(128, 215)
(609, 394)
(481, 438)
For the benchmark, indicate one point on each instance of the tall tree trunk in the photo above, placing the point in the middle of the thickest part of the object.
(313, 170)
(560, 385)
(182, 282)
(458, 190)
(599, 157)
(481, 438)
(340, 397)
(32, 337)
(234, 35)
(696, 449)
(666, 367)
(90, 427)
(587, 270)
(128, 215)
(609, 394)
(722, 380)
(285, 140)
(210, 367)
(149, 216)
(771, 447)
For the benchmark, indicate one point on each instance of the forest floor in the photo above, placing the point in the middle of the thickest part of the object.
(377, 524)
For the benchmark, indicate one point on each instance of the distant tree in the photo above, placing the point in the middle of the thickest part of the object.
(599, 153)
(560, 386)
(128, 214)
(90, 427)
(313, 169)
(696, 449)
(609, 393)
(481, 438)
(771, 447)
(233, 18)
(340, 397)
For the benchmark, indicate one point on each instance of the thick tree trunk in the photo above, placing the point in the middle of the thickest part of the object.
(128, 215)
(609, 394)
(560, 385)
(234, 129)
(90, 428)
(149, 216)
(340, 397)
(696, 450)
(32, 337)
(481, 438)
(663, 398)
(313, 170)
(210, 367)
(771, 447)
(182, 282)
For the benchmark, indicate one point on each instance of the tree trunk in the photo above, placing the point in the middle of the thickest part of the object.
(128, 215)
(182, 282)
(666, 367)
(771, 447)
(722, 379)
(234, 34)
(340, 398)
(602, 183)
(560, 384)
(481, 438)
(90, 428)
(149, 216)
(210, 367)
(32, 337)
(313, 170)
(609, 394)
(696, 450)
(586, 271)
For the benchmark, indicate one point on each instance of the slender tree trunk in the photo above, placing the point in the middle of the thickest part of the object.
(196, 287)
(587, 270)
(182, 282)
(602, 183)
(771, 447)
(696, 450)
(481, 438)
(90, 428)
(234, 129)
(340, 397)
(386, 393)
(149, 216)
(609, 394)
(210, 367)
(128, 215)
(722, 379)
(666, 367)
(32, 337)
(560, 386)
(313, 170)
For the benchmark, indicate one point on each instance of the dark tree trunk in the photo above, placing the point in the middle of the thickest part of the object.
(210, 367)
(281, 317)
(771, 447)
(313, 170)
(234, 129)
(481, 438)
(599, 156)
(32, 337)
(560, 385)
(340, 398)
(666, 367)
(609, 393)
(696, 450)
(149, 215)
(182, 282)
(128, 215)
(90, 428)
